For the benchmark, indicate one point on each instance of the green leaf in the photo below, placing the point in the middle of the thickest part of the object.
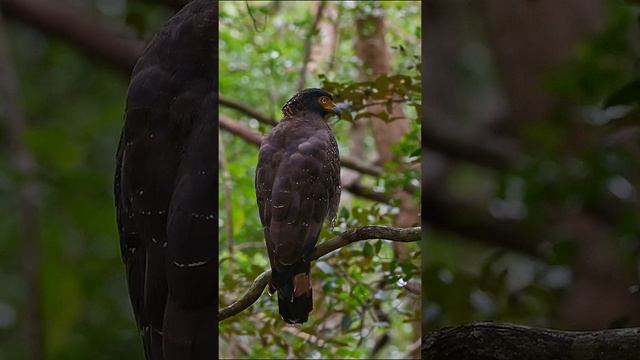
(378, 245)
(346, 322)
(626, 95)
(367, 249)
(344, 213)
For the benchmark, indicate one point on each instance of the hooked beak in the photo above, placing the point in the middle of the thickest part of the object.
(340, 107)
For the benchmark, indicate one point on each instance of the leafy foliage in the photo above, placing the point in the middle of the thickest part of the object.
(576, 157)
(357, 290)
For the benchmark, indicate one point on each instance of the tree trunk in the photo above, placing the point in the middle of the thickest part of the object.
(372, 49)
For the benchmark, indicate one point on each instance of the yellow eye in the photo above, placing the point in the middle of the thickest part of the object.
(324, 100)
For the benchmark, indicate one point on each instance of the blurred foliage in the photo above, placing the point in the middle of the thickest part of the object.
(74, 108)
(261, 53)
(573, 157)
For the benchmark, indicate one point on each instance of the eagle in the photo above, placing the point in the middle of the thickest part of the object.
(166, 187)
(297, 188)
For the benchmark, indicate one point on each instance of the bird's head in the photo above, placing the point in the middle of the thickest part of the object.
(312, 100)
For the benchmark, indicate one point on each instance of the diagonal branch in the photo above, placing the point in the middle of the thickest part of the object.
(445, 212)
(348, 237)
(252, 137)
(237, 105)
(240, 130)
(469, 144)
(97, 39)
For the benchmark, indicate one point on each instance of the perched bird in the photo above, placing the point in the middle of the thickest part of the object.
(166, 187)
(297, 188)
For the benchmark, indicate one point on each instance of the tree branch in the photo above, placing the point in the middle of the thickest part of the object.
(348, 237)
(481, 341)
(122, 53)
(466, 143)
(237, 128)
(252, 137)
(445, 212)
(237, 105)
(97, 39)
(102, 42)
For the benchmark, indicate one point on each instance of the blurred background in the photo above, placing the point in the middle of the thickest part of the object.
(531, 163)
(62, 285)
(366, 295)
(64, 71)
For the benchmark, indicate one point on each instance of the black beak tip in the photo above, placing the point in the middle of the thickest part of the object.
(340, 107)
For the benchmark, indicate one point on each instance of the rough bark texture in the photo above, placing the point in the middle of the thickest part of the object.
(372, 49)
(491, 341)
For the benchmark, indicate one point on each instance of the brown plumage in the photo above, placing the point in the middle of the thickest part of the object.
(166, 186)
(297, 188)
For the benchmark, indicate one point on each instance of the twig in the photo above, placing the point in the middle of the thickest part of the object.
(307, 45)
(348, 237)
(413, 289)
(359, 190)
(253, 19)
(383, 102)
(412, 349)
(27, 196)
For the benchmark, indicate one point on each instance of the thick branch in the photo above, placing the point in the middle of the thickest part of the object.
(482, 341)
(95, 38)
(359, 190)
(348, 237)
(466, 143)
(445, 212)
(240, 130)
(252, 137)
(236, 105)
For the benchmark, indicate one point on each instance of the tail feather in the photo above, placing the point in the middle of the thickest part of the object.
(295, 298)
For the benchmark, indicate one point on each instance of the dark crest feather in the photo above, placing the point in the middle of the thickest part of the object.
(294, 103)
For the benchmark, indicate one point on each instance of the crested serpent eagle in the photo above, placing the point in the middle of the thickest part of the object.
(165, 187)
(297, 188)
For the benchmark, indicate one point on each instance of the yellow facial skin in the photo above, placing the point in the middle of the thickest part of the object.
(327, 103)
